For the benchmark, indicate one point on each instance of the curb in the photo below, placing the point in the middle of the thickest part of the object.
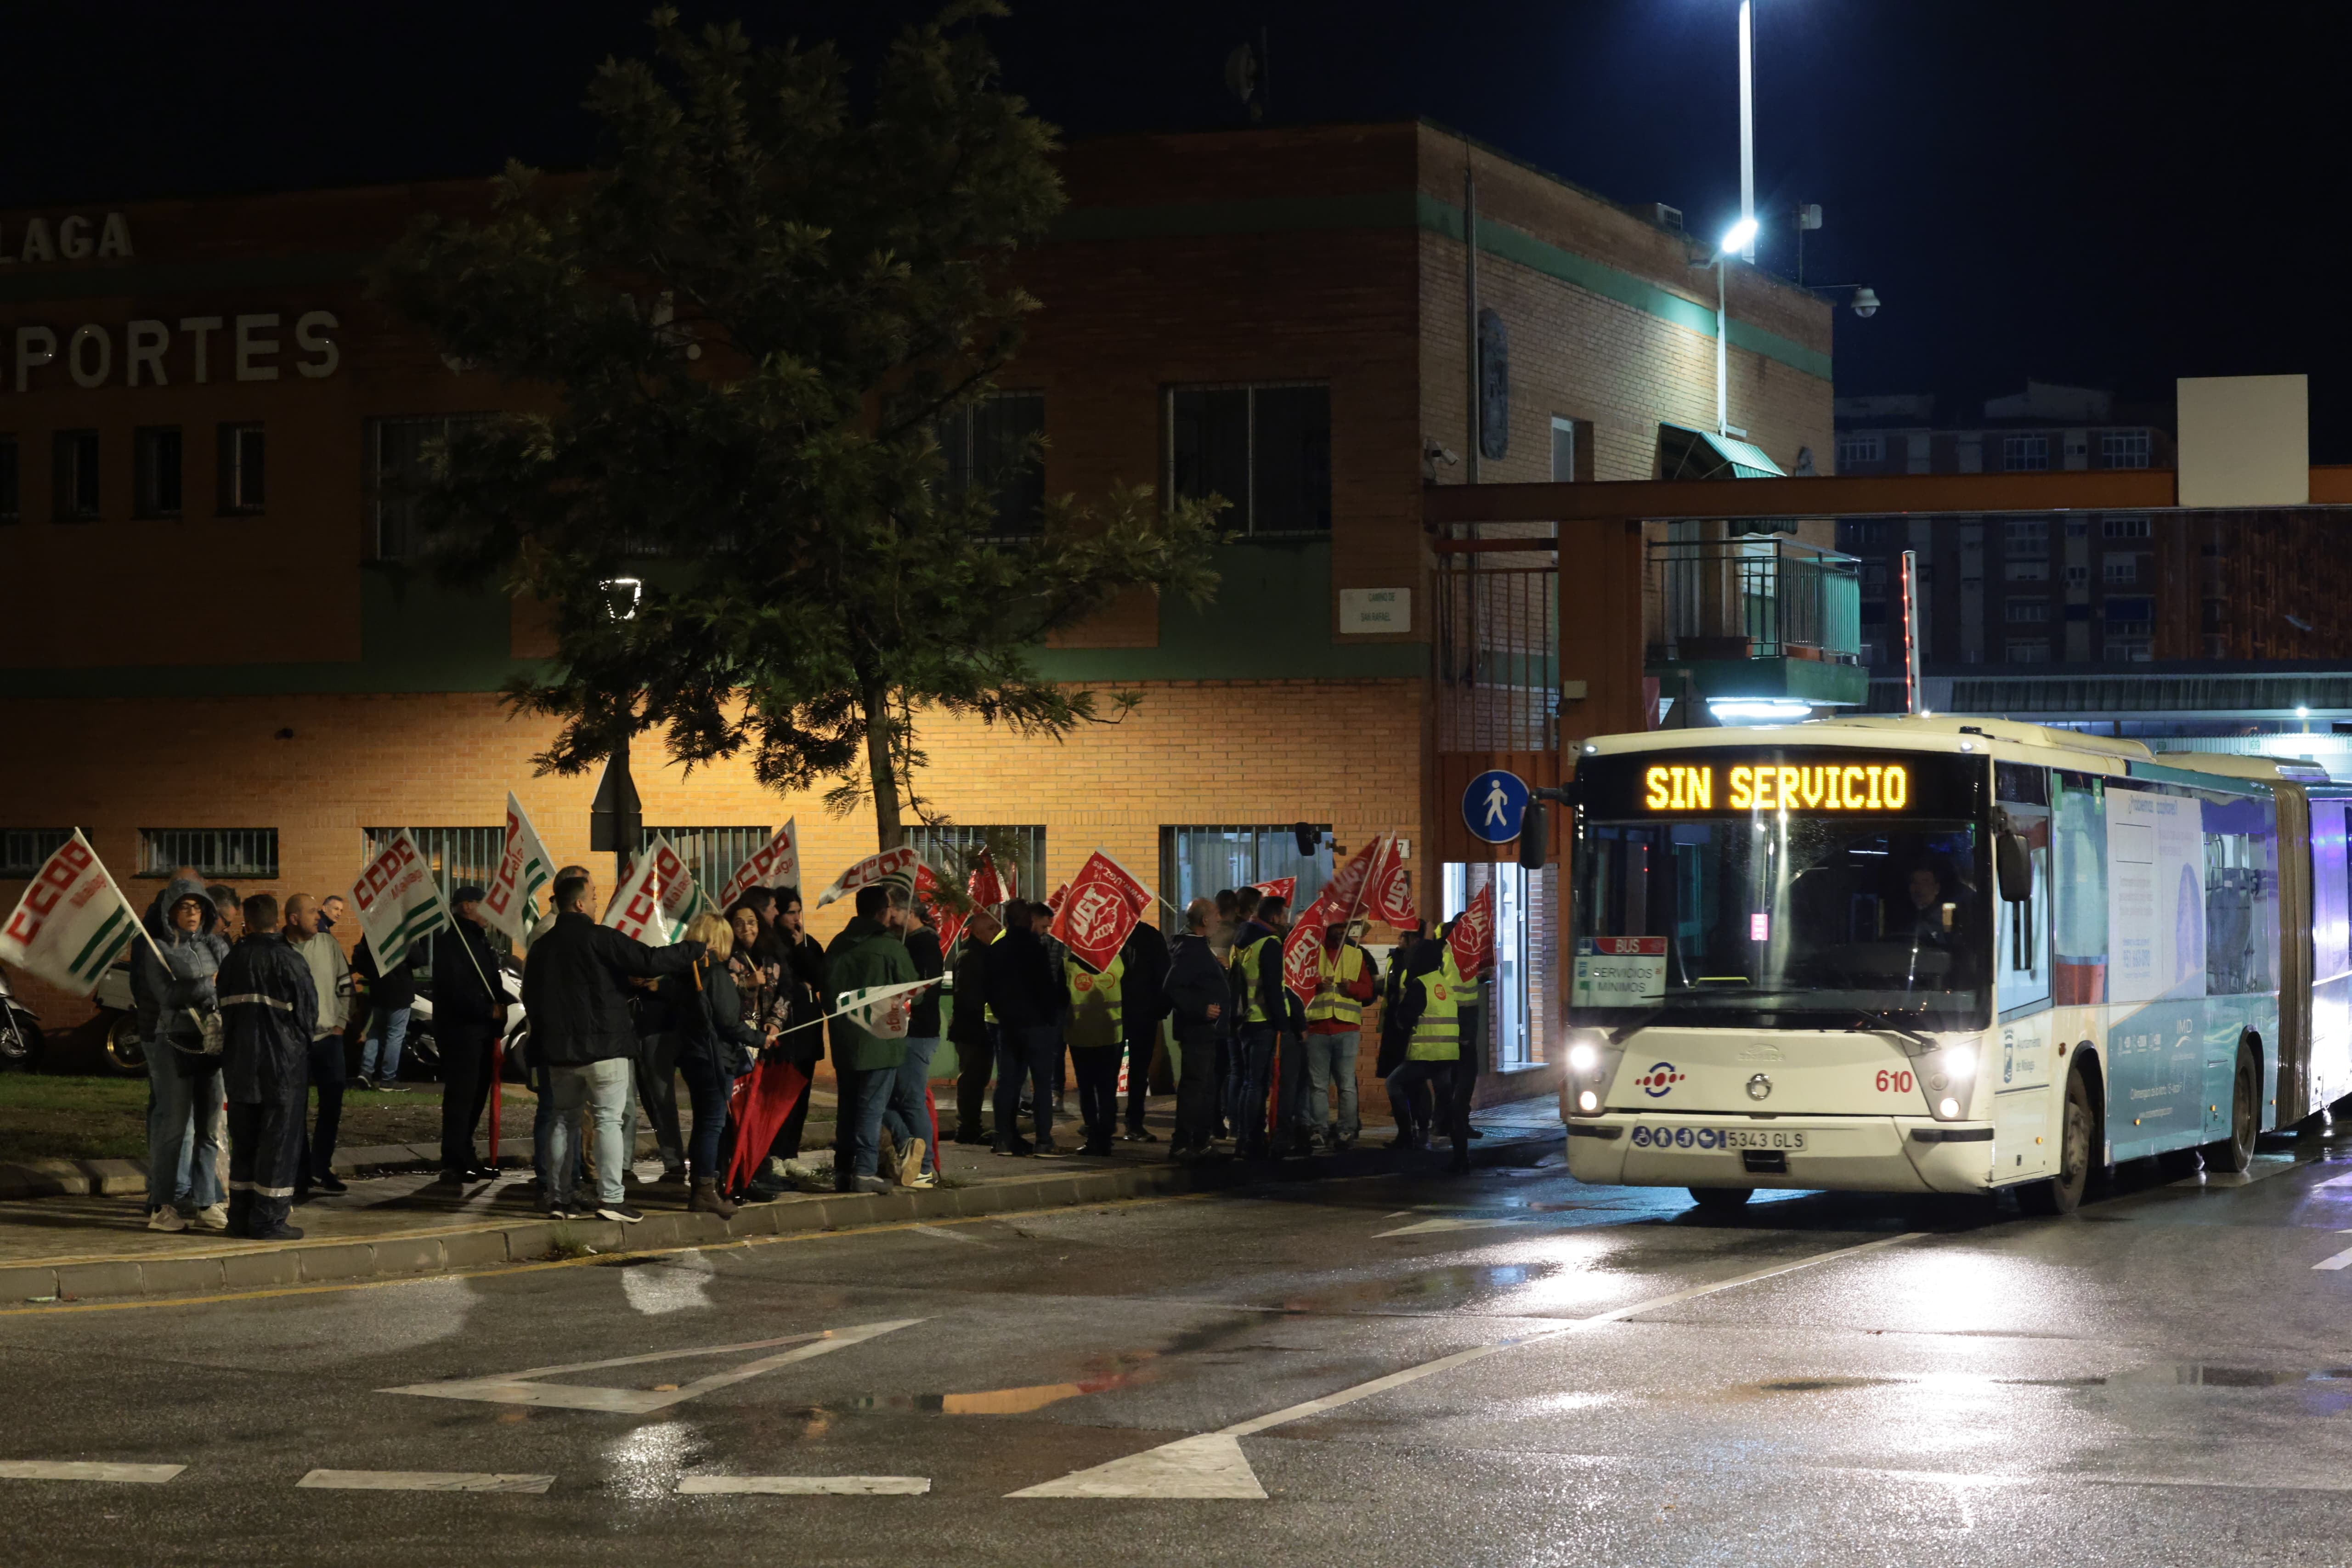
(263, 1266)
(112, 1178)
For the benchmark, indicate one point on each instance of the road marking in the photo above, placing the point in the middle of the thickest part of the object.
(935, 1232)
(605, 1258)
(804, 1486)
(72, 1470)
(515, 1389)
(1427, 1227)
(1212, 1464)
(424, 1482)
(2341, 1260)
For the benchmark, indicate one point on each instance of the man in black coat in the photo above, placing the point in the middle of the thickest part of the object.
(1144, 1002)
(1199, 991)
(1028, 993)
(269, 1008)
(969, 1029)
(575, 988)
(469, 1010)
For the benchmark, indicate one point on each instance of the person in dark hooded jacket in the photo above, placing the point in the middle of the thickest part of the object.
(174, 977)
(270, 1009)
(1143, 1002)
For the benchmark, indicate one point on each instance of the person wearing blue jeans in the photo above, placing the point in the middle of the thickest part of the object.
(379, 1057)
(1028, 991)
(183, 1137)
(908, 1115)
(1030, 1057)
(603, 1087)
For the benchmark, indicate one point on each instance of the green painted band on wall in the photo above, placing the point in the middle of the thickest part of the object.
(143, 278)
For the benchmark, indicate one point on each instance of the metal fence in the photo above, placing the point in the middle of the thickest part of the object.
(1497, 630)
(213, 851)
(458, 856)
(945, 848)
(1751, 598)
(712, 855)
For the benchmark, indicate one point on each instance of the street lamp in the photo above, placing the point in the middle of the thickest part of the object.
(1738, 240)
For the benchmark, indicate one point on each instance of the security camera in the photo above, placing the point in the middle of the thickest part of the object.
(1436, 454)
(1866, 302)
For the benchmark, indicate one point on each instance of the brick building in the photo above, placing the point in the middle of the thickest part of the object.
(214, 650)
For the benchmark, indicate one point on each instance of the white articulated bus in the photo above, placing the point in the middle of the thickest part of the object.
(1930, 955)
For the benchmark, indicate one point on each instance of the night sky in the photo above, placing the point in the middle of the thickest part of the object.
(2086, 191)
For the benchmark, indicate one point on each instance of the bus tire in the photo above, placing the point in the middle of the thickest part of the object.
(2062, 1194)
(1721, 1200)
(2236, 1151)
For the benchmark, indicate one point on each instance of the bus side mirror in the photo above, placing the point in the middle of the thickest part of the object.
(2014, 866)
(1535, 828)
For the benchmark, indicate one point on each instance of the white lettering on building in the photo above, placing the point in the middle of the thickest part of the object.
(89, 359)
(71, 241)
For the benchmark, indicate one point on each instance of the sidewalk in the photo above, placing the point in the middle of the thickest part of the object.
(78, 1245)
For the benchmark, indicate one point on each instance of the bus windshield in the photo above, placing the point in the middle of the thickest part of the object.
(1783, 919)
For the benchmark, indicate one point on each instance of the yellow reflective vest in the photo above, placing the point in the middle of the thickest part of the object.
(1249, 972)
(1333, 973)
(1094, 1004)
(1437, 1033)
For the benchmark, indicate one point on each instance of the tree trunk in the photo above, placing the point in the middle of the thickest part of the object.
(882, 777)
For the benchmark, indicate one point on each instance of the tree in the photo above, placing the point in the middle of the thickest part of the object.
(749, 323)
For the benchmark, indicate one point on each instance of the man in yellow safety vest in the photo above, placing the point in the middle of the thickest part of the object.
(1429, 1010)
(1345, 979)
(1094, 1033)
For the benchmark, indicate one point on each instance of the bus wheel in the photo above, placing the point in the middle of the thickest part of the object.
(2236, 1151)
(1721, 1200)
(2062, 1194)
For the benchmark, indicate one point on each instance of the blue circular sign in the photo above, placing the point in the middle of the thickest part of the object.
(1494, 805)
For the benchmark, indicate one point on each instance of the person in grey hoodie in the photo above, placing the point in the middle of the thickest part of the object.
(173, 980)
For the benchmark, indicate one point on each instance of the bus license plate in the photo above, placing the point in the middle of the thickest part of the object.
(1761, 1138)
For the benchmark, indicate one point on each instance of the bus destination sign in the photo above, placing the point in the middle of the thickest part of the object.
(1783, 786)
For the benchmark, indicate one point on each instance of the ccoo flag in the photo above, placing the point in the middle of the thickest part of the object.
(510, 902)
(655, 904)
(72, 924)
(776, 865)
(882, 1011)
(399, 902)
(889, 865)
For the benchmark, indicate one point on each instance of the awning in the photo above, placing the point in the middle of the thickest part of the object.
(1688, 454)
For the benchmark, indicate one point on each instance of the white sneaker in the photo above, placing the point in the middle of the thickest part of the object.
(920, 1180)
(212, 1217)
(166, 1218)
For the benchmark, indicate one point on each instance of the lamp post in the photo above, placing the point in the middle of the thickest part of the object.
(1741, 237)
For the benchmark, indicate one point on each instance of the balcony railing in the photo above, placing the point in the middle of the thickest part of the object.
(1752, 597)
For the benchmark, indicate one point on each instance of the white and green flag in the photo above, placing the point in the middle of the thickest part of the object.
(510, 902)
(72, 924)
(882, 1011)
(660, 898)
(399, 902)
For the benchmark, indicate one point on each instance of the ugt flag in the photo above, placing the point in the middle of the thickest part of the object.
(1473, 938)
(655, 904)
(776, 865)
(1343, 896)
(1098, 909)
(399, 902)
(1282, 888)
(947, 923)
(510, 902)
(1390, 899)
(72, 924)
(889, 865)
(1300, 948)
(988, 885)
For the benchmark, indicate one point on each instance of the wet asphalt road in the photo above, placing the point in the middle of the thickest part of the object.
(2164, 1378)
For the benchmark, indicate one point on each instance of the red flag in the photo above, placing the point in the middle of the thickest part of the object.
(1472, 937)
(1054, 900)
(1343, 897)
(1304, 941)
(1389, 901)
(1282, 888)
(988, 885)
(1097, 911)
(947, 922)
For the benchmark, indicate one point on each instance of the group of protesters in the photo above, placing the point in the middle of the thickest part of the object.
(248, 1004)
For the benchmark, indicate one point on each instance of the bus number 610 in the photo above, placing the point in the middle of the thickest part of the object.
(1894, 1082)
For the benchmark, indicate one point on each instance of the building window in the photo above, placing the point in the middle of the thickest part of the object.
(2025, 570)
(1563, 450)
(2120, 569)
(1266, 448)
(2124, 448)
(2124, 528)
(2128, 651)
(155, 472)
(2029, 650)
(1861, 448)
(2077, 575)
(1874, 579)
(2138, 610)
(458, 856)
(2026, 536)
(213, 851)
(76, 492)
(1861, 533)
(993, 444)
(712, 855)
(403, 460)
(1201, 862)
(241, 468)
(2027, 612)
(2025, 454)
(23, 850)
(10, 511)
(951, 850)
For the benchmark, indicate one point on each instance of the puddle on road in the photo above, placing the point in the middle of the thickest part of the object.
(1432, 1288)
(2206, 1375)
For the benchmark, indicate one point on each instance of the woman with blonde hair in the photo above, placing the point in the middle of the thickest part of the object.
(716, 1046)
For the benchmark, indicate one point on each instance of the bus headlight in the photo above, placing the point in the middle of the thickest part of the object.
(1592, 1062)
(1587, 1102)
(1583, 1057)
(1948, 1078)
(1948, 1108)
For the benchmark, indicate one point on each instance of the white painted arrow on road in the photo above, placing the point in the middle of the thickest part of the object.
(517, 1388)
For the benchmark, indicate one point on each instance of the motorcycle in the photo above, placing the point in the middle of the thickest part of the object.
(124, 1050)
(21, 1045)
(424, 1052)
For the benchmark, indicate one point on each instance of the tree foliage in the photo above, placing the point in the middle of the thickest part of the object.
(752, 321)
